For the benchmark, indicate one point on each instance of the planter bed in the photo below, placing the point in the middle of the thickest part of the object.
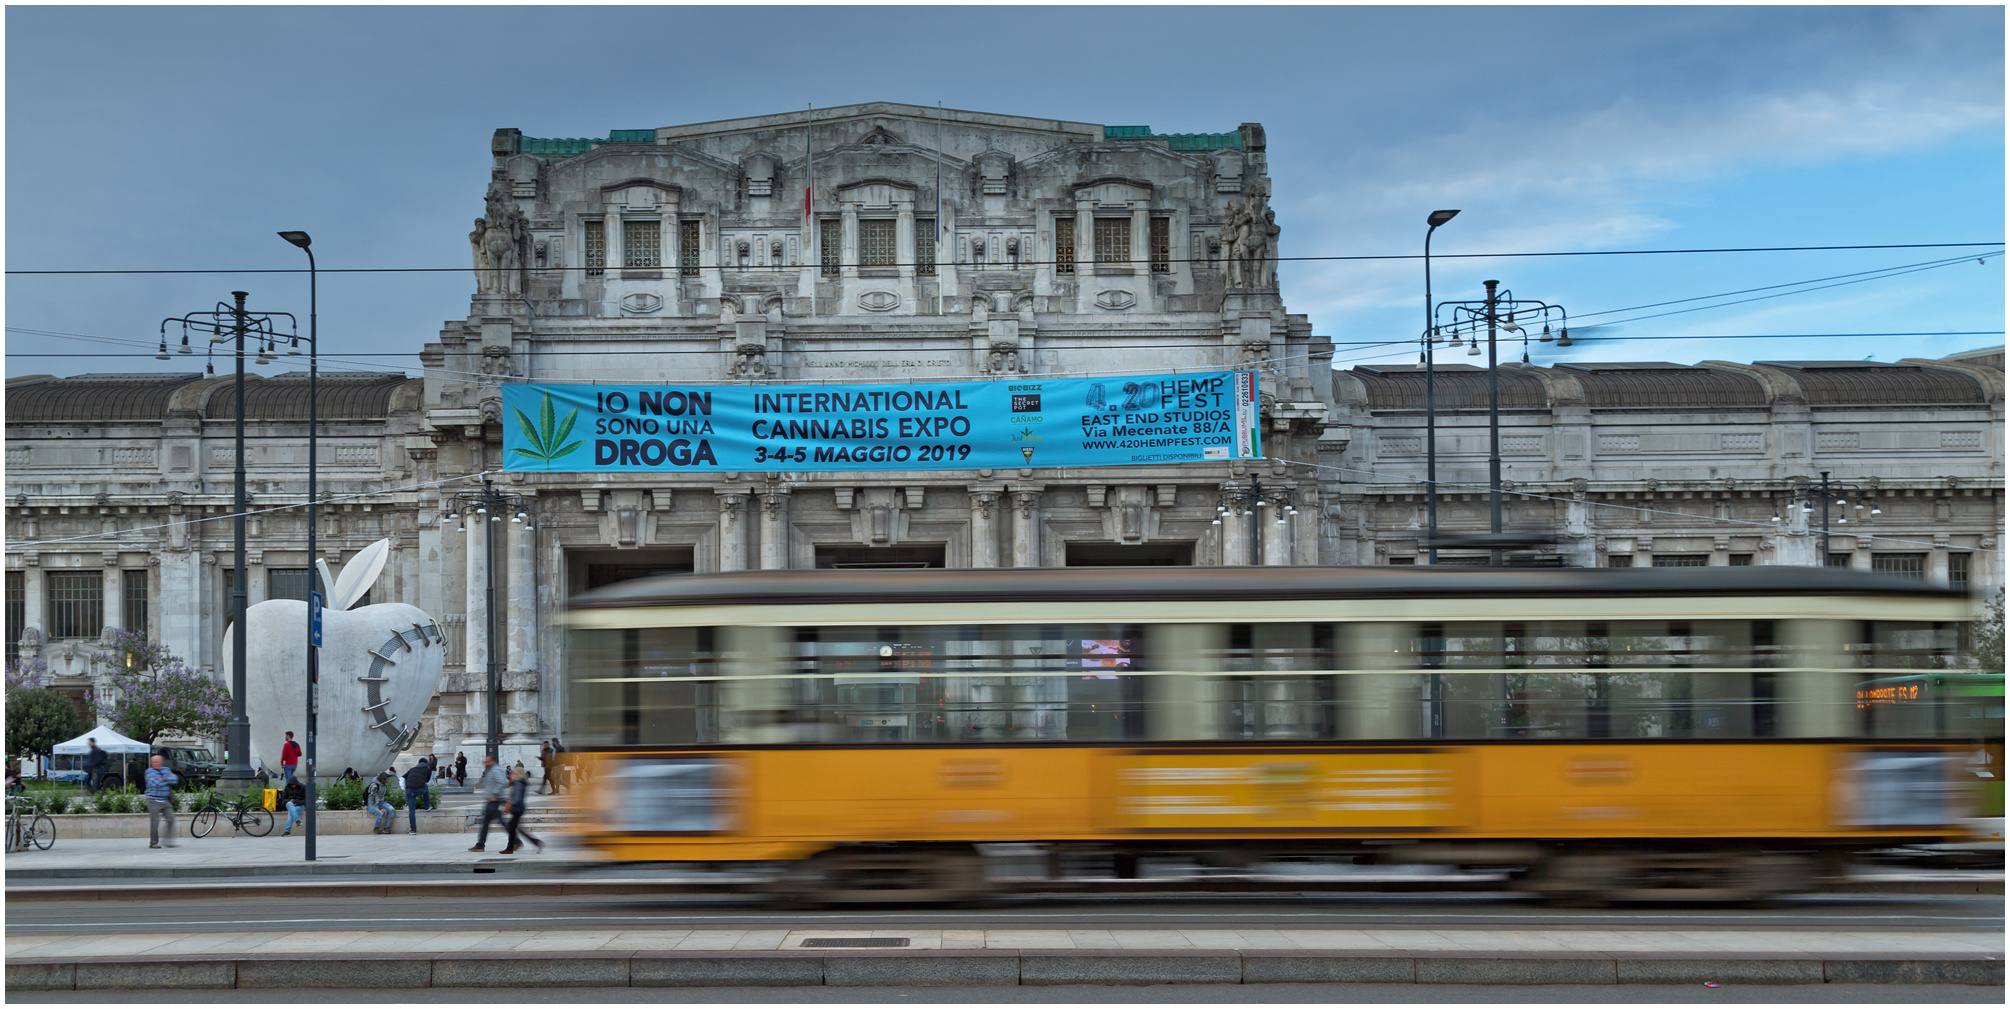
(347, 821)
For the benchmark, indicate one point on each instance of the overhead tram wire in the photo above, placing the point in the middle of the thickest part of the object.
(1021, 263)
(1797, 283)
(1348, 344)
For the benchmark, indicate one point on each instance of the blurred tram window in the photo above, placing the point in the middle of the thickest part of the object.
(967, 684)
(1589, 679)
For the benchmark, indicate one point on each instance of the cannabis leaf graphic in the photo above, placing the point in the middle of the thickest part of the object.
(546, 443)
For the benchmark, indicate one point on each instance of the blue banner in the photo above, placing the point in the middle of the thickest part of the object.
(1004, 424)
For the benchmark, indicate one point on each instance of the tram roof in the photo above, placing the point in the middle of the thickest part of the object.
(1200, 584)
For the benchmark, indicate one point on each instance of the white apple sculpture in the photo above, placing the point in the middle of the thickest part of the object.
(379, 668)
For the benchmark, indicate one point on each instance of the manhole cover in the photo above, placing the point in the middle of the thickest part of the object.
(853, 943)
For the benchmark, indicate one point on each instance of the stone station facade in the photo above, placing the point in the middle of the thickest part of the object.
(938, 244)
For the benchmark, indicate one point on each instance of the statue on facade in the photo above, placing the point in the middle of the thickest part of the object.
(1266, 231)
(1232, 231)
(498, 243)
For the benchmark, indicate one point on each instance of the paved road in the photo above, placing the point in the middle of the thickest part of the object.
(1942, 994)
(1354, 911)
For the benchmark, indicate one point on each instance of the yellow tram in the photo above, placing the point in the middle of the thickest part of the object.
(1594, 731)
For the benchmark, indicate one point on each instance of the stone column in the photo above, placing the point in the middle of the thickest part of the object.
(520, 632)
(983, 531)
(115, 590)
(732, 530)
(774, 530)
(848, 234)
(1025, 529)
(1274, 531)
(35, 597)
(1235, 547)
(616, 253)
(476, 653)
(903, 239)
(1141, 238)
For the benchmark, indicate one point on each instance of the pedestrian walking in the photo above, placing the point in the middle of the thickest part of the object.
(294, 798)
(416, 796)
(159, 781)
(94, 766)
(461, 769)
(495, 791)
(549, 758)
(377, 799)
(519, 790)
(289, 757)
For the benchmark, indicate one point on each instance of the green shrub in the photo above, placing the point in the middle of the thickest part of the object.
(341, 795)
(117, 802)
(397, 797)
(53, 803)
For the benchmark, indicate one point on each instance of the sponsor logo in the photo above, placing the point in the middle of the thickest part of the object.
(1022, 403)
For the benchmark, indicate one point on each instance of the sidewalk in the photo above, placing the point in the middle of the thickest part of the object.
(777, 957)
(230, 854)
(1715, 942)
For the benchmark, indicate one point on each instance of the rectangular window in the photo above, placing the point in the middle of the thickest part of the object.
(17, 611)
(1681, 560)
(829, 245)
(876, 245)
(1064, 245)
(596, 248)
(76, 603)
(924, 247)
(688, 243)
(1113, 239)
(1903, 565)
(136, 602)
(1161, 243)
(1957, 570)
(642, 244)
(1741, 560)
(287, 583)
(1402, 560)
(1842, 560)
(1619, 561)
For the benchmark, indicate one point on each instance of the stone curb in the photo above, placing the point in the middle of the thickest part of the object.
(485, 875)
(755, 968)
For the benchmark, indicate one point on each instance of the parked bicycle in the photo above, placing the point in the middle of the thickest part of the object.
(244, 813)
(24, 829)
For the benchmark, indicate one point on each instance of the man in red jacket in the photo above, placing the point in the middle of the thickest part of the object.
(289, 757)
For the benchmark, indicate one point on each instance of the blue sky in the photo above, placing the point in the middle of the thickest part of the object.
(156, 137)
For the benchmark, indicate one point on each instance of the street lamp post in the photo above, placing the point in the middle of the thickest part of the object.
(319, 593)
(1832, 492)
(1236, 500)
(1497, 311)
(1436, 220)
(226, 322)
(487, 506)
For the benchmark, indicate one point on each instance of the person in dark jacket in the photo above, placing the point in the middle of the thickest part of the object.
(549, 758)
(94, 766)
(416, 780)
(294, 797)
(461, 769)
(519, 792)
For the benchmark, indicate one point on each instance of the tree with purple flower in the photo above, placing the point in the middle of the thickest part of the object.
(152, 693)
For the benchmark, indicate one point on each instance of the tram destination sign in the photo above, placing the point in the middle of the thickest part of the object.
(1012, 423)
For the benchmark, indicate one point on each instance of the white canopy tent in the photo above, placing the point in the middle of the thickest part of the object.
(108, 741)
